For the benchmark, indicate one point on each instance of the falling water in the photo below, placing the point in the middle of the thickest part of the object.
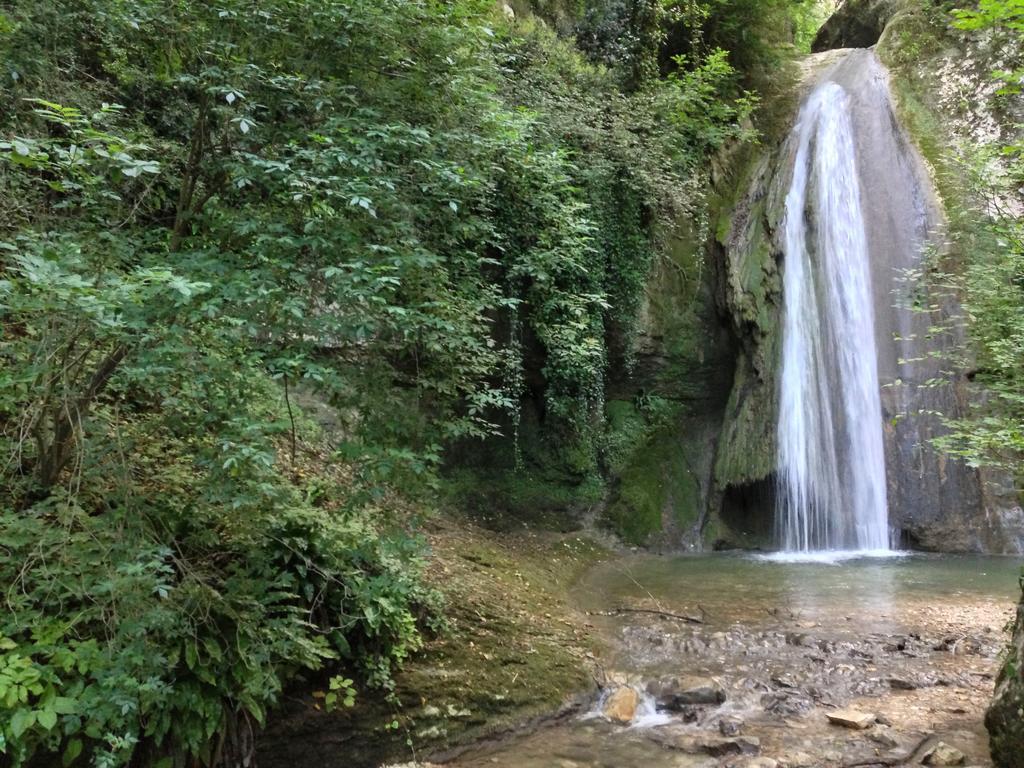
(832, 487)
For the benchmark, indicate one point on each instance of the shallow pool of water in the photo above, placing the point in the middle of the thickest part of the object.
(912, 639)
(753, 589)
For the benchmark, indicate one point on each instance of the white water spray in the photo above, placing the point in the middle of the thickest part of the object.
(831, 459)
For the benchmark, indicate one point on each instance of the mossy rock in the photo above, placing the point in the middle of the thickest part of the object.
(1005, 717)
(660, 493)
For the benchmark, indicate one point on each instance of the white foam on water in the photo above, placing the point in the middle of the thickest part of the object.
(647, 714)
(832, 556)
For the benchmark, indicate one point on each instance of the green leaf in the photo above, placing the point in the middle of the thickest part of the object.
(22, 720)
(46, 718)
(72, 751)
(64, 706)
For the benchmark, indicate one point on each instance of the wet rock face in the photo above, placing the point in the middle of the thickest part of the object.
(932, 498)
(1005, 717)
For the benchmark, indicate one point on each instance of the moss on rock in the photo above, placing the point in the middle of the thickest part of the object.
(661, 498)
(665, 411)
(750, 212)
(1005, 717)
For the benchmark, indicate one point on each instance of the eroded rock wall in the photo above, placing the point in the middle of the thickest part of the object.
(665, 412)
(947, 101)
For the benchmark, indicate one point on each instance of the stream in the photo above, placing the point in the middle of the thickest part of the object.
(912, 640)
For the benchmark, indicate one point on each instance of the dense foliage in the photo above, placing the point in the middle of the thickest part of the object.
(394, 212)
(992, 283)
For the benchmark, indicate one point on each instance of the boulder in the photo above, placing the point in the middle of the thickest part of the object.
(684, 740)
(675, 695)
(621, 705)
(943, 754)
(701, 695)
(855, 24)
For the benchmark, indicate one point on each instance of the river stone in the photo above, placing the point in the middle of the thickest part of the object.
(621, 705)
(684, 740)
(689, 714)
(943, 754)
(676, 695)
(797, 760)
(673, 737)
(739, 745)
(705, 694)
(730, 726)
(851, 718)
(882, 735)
(787, 703)
(903, 684)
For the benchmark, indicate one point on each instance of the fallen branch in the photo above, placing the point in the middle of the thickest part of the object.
(872, 762)
(662, 614)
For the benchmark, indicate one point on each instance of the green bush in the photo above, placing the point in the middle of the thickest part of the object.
(115, 636)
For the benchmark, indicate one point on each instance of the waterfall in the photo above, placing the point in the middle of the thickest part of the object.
(831, 459)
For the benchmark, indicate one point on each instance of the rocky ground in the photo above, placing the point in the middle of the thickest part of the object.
(780, 690)
(813, 697)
